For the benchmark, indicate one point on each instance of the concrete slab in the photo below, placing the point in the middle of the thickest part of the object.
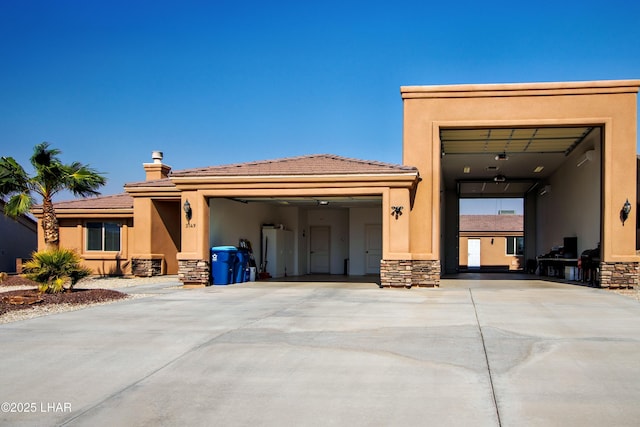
(330, 353)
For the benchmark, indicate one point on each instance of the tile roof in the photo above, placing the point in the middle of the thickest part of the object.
(315, 164)
(491, 223)
(117, 201)
(164, 182)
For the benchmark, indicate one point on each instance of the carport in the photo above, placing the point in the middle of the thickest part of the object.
(333, 214)
(568, 149)
(555, 170)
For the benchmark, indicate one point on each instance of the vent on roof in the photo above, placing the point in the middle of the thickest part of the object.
(157, 156)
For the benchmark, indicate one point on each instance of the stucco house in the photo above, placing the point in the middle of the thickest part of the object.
(18, 240)
(567, 149)
(491, 242)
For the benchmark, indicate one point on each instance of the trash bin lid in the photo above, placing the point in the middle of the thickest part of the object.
(224, 249)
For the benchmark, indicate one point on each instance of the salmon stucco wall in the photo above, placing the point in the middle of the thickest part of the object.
(73, 236)
(493, 253)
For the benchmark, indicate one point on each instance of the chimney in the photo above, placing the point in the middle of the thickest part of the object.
(156, 170)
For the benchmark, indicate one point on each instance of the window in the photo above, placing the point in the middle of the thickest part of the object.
(515, 245)
(103, 236)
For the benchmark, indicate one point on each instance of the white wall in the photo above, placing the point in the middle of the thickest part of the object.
(230, 221)
(358, 218)
(572, 208)
(338, 220)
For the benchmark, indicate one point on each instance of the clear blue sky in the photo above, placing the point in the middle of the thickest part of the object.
(230, 81)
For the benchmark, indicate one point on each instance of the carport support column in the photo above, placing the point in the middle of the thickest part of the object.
(397, 268)
(193, 261)
(619, 274)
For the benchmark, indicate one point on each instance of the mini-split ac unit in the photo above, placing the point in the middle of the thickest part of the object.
(587, 156)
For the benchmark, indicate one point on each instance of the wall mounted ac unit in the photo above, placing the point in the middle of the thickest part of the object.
(587, 156)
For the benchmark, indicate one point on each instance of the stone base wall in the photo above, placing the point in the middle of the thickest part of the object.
(408, 273)
(143, 267)
(194, 271)
(619, 274)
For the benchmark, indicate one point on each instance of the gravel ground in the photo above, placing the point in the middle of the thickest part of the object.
(631, 293)
(123, 284)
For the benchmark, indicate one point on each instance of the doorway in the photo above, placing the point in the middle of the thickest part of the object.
(319, 253)
(473, 253)
(373, 248)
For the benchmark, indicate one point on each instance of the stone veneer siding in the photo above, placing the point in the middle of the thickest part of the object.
(195, 271)
(408, 273)
(142, 267)
(619, 274)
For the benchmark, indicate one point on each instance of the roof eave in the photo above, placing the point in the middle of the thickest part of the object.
(520, 89)
(395, 176)
(88, 213)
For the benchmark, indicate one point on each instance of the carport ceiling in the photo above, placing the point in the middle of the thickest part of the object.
(316, 201)
(472, 158)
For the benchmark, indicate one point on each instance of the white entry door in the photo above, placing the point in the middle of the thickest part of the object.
(319, 245)
(473, 254)
(373, 248)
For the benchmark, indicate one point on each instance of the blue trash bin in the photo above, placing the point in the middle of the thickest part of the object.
(223, 259)
(241, 269)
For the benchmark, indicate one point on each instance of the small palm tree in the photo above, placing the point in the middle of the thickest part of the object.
(55, 270)
(51, 176)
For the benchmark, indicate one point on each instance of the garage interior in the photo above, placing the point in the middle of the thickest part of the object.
(294, 237)
(556, 170)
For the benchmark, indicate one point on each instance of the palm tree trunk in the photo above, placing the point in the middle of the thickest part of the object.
(50, 225)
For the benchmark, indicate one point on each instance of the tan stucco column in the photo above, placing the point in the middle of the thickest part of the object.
(395, 223)
(619, 262)
(398, 267)
(193, 260)
(144, 262)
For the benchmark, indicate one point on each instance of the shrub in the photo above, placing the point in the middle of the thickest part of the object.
(55, 270)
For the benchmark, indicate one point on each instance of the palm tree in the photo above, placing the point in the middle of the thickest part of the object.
(51, 176)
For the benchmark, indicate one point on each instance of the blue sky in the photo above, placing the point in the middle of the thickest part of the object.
(230, 81)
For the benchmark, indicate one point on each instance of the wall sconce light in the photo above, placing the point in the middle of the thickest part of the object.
(625, 211)
(396, 211)
(188, 213)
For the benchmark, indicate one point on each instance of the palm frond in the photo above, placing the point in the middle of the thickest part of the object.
(13, 178)
(18, 204)
(53, 269)
(83, 180)
(43, 156)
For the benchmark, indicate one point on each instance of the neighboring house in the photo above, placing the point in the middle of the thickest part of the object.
(18, 240)
(491, 242)
(564, 148)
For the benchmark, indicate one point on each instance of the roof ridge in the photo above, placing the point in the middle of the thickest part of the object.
(294, 158)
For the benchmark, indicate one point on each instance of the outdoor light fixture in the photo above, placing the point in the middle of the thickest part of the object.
(538, 169)
(188, 213)
(499, 178)
(466, 169)
(625, 211)
(323, 202)
(396, 211)
(502, 156)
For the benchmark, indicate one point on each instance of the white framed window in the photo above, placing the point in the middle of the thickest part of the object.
(515, 245)
(103, 236)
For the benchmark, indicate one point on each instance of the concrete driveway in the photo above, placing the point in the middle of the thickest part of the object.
(494, 353)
